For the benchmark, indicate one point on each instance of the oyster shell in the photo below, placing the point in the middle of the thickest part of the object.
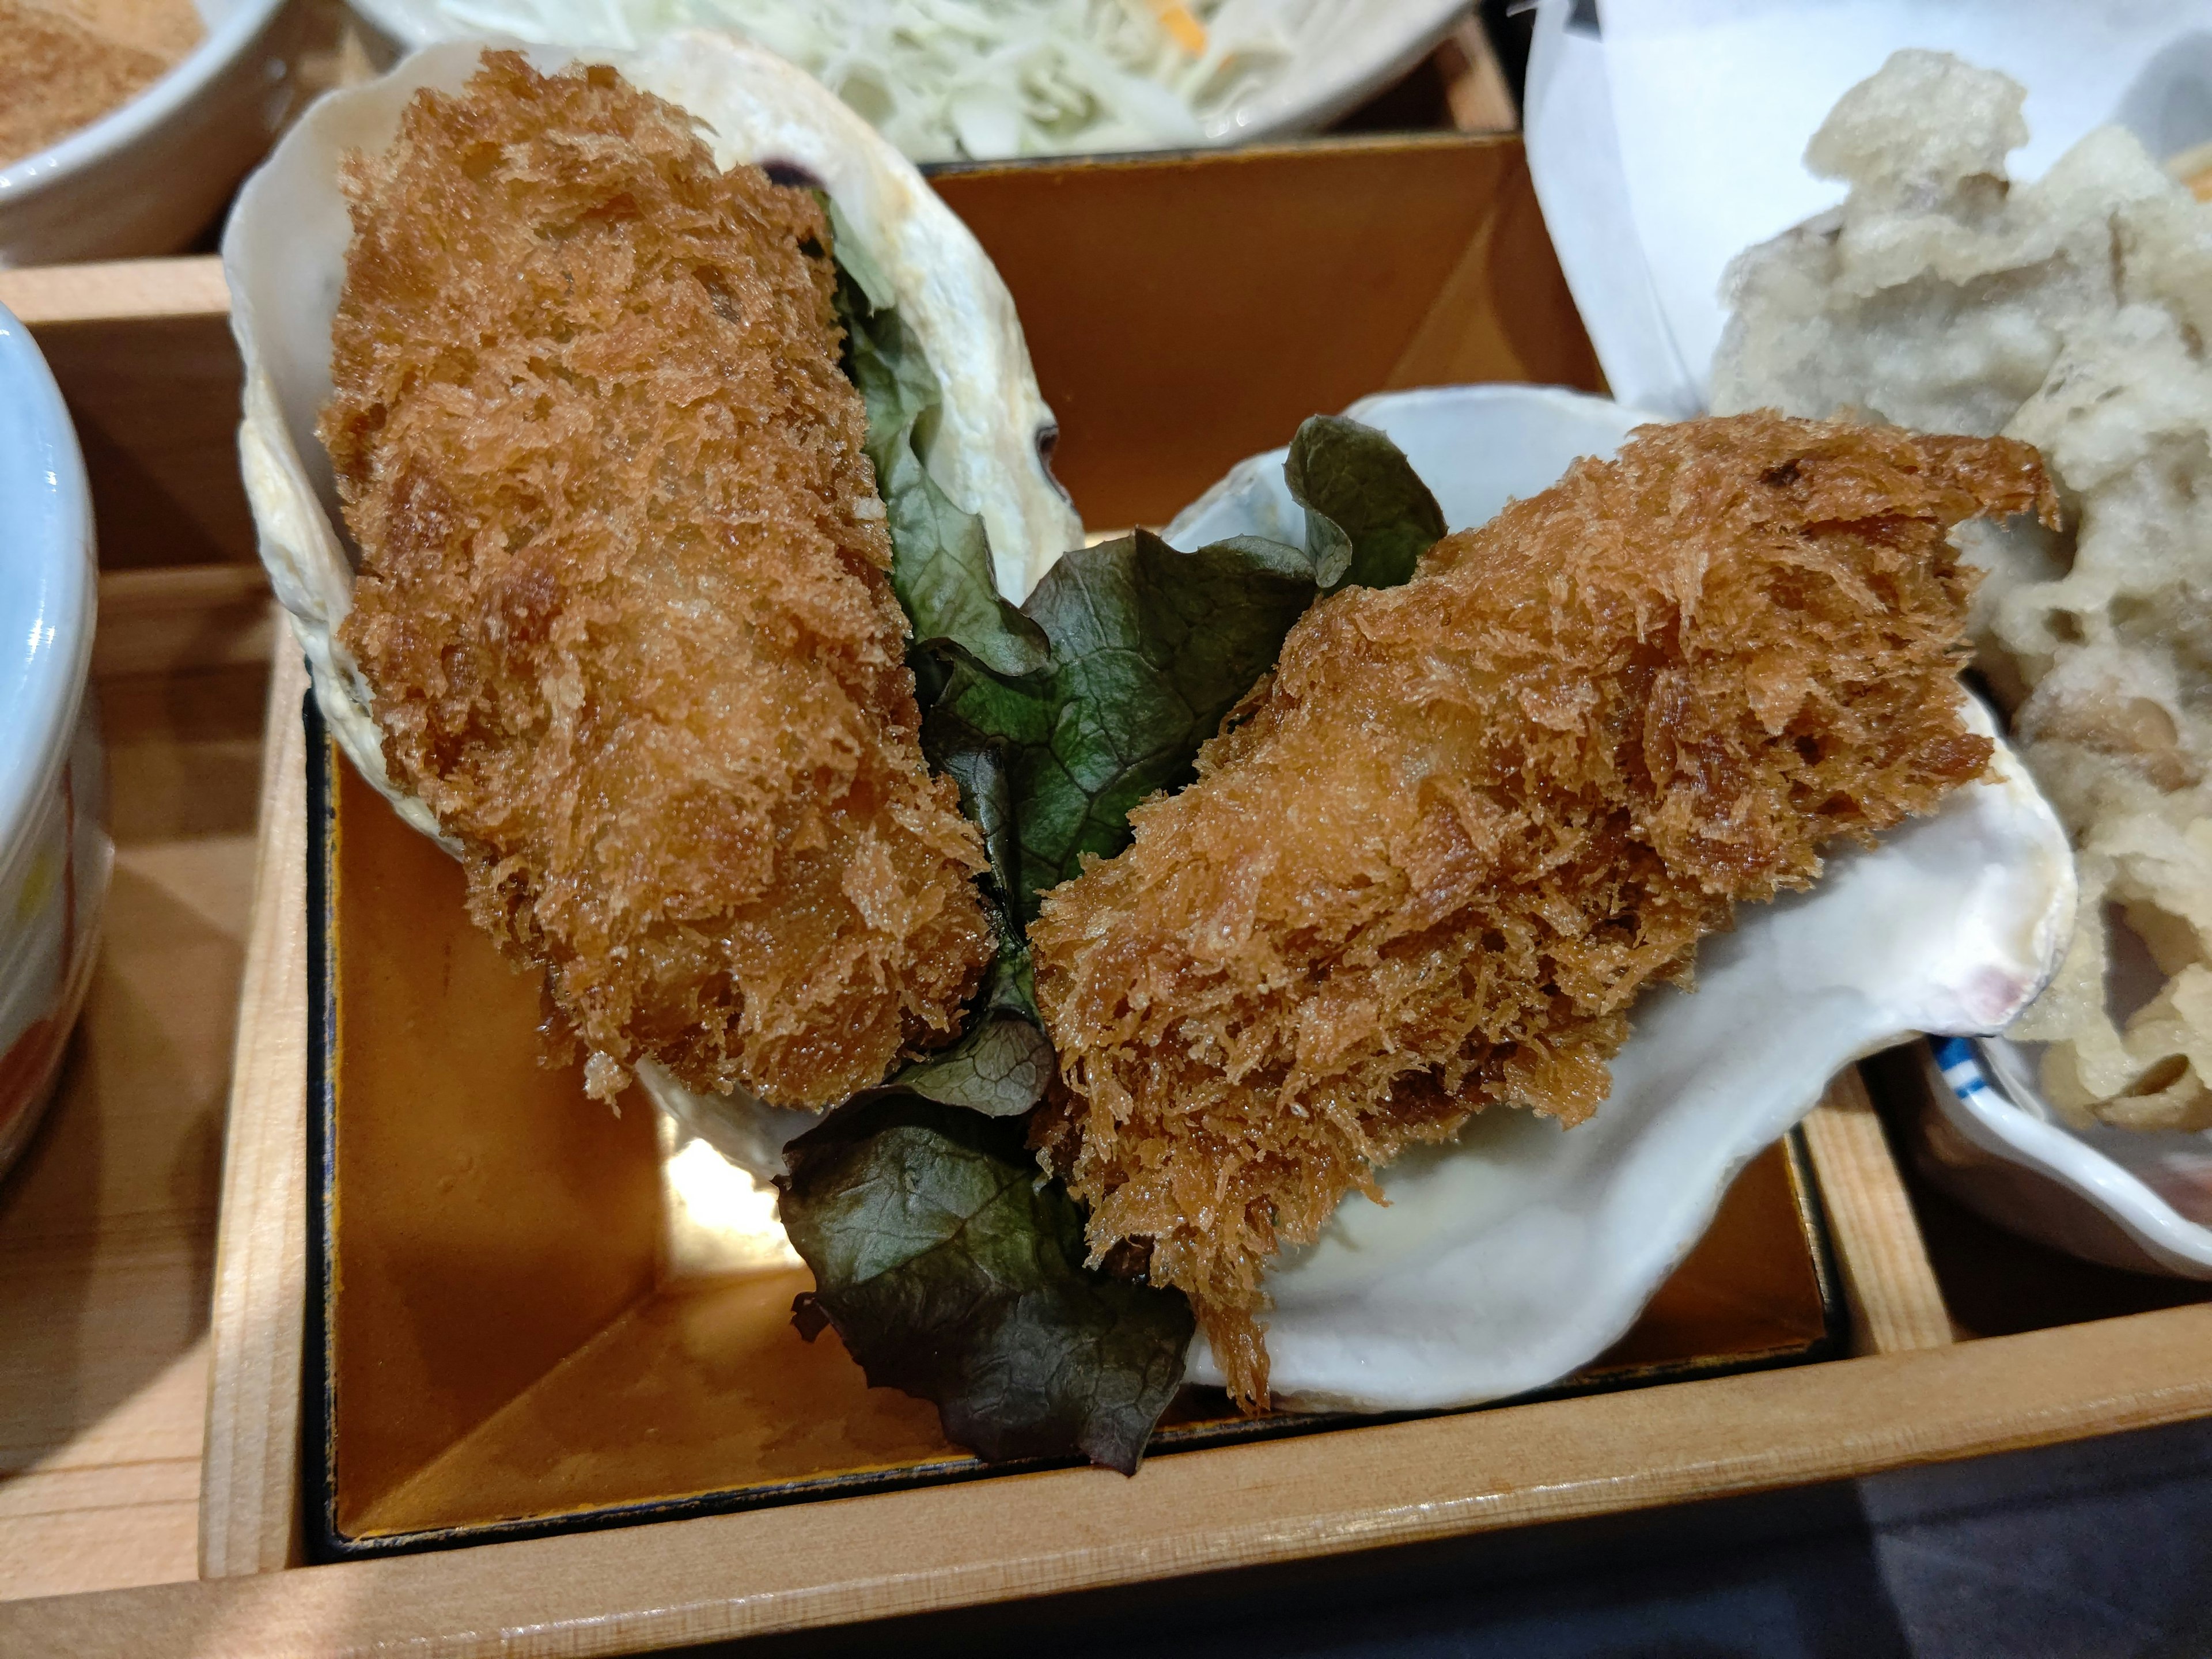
(1521, 1251)
(284, 256)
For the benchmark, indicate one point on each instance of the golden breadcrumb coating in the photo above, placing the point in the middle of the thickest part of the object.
(624, 602)
(1429, 866)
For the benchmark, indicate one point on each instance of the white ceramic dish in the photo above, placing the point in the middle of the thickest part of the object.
(1523, 1251)
(1365, 47)
(1346, 52)
(152, 173)
(2124, 1198)
(53, 844)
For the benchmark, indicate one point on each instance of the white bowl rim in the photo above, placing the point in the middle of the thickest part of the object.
(1266, 114)
(136, 117)
(1981, 1102)
(57, 512)
(1376, 61)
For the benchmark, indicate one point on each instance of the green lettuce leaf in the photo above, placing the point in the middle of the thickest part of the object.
(942, 573)
(987, 798)
(1002, 1063)
(950, 1267)
(1149, 649)
(952, 1271)
(940, 556)
(1368, 516)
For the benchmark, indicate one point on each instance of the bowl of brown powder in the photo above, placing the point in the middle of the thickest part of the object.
(125, 123)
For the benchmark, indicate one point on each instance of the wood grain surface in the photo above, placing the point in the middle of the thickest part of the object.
(106, 1227)
(865, 1558)
(44, 297)
(1896, 1304)
(1475, 89)
(248, 1510)
(143, 351)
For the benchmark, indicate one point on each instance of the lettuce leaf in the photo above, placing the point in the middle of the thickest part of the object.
(1368, 516)
(952, 1271)
(1150, 650)
(941, 558)
(950, 1268)
(942, 573)
(1002, 1064)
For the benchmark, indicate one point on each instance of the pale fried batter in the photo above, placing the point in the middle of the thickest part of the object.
(1432, 863)
(623, 603)
(2070, 311)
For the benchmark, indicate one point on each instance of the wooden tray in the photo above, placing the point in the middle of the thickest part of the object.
(102, 1239)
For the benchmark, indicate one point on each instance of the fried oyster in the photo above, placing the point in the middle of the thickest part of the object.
(623, 604)
(1427, 866)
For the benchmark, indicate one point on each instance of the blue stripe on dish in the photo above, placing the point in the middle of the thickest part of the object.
(1961, 1066)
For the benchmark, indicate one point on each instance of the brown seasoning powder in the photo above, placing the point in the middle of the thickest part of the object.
(64, 65)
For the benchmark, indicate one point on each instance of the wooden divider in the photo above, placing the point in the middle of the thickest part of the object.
(1896, 1304)
(249, 1486)
(866, 1558)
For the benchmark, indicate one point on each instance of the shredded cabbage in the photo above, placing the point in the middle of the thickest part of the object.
(979, 80)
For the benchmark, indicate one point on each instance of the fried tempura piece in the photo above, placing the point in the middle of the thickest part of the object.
(623, 603)
(2070, 311)
(1427, 868)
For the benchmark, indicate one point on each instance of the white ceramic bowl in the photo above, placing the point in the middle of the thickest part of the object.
(2124, 1198)
(1363, 46)
(152, 173)
(54, 852)
(1346, 52)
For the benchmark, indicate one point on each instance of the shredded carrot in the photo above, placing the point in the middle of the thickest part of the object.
(1176, 19)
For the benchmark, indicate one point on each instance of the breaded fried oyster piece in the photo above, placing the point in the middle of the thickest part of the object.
(1434, 861)
(623, 603)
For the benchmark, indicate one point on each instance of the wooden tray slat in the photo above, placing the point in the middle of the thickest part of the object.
(106, 1227)
(1896, 1304)
(249, 1512)
(867, 1557)
(139, 290)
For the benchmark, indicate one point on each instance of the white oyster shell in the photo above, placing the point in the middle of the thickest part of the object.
(285, 258)
(1476, 446)
(1523, 1251)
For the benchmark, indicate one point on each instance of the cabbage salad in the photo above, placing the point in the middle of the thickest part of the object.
(975, 80)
